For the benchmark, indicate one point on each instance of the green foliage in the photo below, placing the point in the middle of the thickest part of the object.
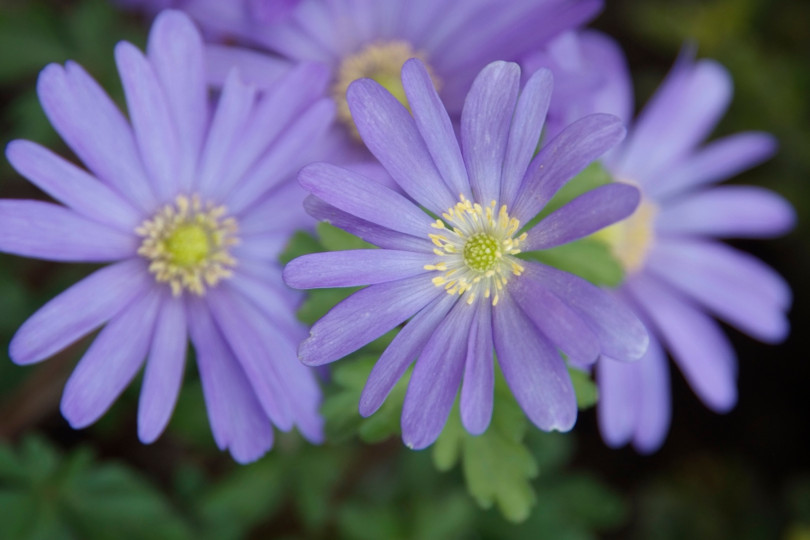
(587, 258)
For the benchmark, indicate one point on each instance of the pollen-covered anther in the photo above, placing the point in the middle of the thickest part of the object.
(477, 246)
(187, 244)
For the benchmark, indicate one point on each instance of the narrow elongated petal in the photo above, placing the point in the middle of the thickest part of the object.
(403, 350)
(728, 211)
(260, 69)
(534, 371)
(354, 267)
(435, 379)
(621, 334)
(390, 132)
(365, 316)
(237, 418)
(434, 125)
(163, 375)
(79, 310)
(365, 199)
(479, 378)
(52, 232)
(72, 186)
(695, 341)
(655, 414)
(563, 158)
(584, 215)
(110, 363)
(485, 126)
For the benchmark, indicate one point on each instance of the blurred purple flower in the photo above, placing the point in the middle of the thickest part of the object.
(458, 279)
(191, 205)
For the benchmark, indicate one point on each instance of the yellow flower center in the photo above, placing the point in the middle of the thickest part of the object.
(476, 249)
(188, 243)
(630, 240)
(380, 61)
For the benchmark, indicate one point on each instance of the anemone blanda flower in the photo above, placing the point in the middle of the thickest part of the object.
(191, 206)
(458, 279)
(677, 274)
(373, 38)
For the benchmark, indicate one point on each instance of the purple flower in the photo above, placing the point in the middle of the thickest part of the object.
(458, 279)
(373, 38)
(677, 274)
(191, 206)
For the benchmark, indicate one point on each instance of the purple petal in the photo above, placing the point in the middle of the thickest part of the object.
(80, 309)
(695, 341)
(110, 363)
(728, 211)
(52, 232)
(390, 133)
(655, 414)
(354, 268)
(733, 285)
(563, 158)
(435, 379)
(275, 303)
(479, 378)
(163, 375)
(524, 133)
(364, 198)
(237, 418)
(365, 316)
(257, 68)
(584, 215)
(485, 126)
(401, 352)
(94, 128)
(556, 320)
(435, 127)
(621, 334)
(72, 186)
(175, 52)
(534, 371)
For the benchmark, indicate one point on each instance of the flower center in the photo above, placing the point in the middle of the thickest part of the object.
(477, 249)
(381, 61)
(630, 240)
(188, 243)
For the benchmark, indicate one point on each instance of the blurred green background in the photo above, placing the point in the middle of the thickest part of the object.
(744, 475)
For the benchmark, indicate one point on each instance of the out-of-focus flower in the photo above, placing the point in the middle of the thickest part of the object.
(677, 274)
(458, 278)
(191, 205)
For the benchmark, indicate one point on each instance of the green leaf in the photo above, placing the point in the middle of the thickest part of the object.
(301, 243)
(334, 239)
(584, 387)
(587, 258)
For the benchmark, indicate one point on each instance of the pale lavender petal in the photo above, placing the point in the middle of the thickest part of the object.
(714, 162)
(524, 133)
(163, 375)
(563, 327)
(619, 400)
(80, 309)
(365, 316)
(149, 111)
(434, 125)
(365, 199)
(71, 185)
(485, 126)
(53, 232)
(534, 371)
(621, 334)
(175, 51)
(110, 363)
(479, 378)
(731, 284)
(562, 159)
(94, 128)
(728, 211)
(260, 69)
(401, 352)
(435, 379)
(274, 300)
(238, 421)
(695, 341)
(655, 414)
(584, 215)
(390, 133)
(370, 232)
(352, 268)
(615, 95)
